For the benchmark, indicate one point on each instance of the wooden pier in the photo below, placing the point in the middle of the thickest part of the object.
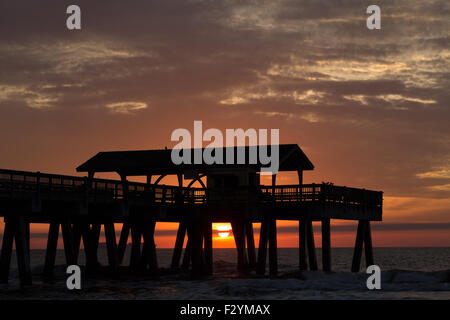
(80, 206)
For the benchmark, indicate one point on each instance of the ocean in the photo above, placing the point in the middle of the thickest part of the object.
(406, 273)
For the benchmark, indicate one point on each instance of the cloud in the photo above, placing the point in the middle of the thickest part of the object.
(309, 116)
(33, 98)
(400, 98)
(126, 107)
(443, 187)
(244, 96)
(234, 100)
(436, 174)
(357, 97)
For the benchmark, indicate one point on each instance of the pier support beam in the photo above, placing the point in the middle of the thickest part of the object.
(27, 237)
(368, 245)
(76, 231)
(195, 236)
(311, 246)
(326, 245)
(153, 263)
(69, 244)
(357, 253)
(50, 253)
(111, 246)
(7, 246)
(302, 262)
(208, 247)
(187, 255)
(149, 258)
(95, 238)
(268, 235)
(181, 234)
(124, 234)
(262, 249)
(16, 228)
(239, 237)
(135, 247)
(23, 251)
(363, 238)
(199, 247)
(250, 245)
(273, 256)
(90, 237)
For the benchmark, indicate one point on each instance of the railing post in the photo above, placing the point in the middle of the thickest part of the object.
(274, 182)
(364, 202)
(94, 187)
(126, 191)
(37, 197)
(344, 197)
(38, 183)
(50, 188)
(163, 199)
(86, 192)
(322, 193)
(89, 183)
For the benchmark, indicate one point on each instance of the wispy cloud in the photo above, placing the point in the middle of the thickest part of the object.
(400, 98)
(247, 95)
(436, 174)
(307, 116)
(33, 97)
(442, 187)
(126, 107)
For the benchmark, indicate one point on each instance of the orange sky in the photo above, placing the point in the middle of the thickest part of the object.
(370, 108)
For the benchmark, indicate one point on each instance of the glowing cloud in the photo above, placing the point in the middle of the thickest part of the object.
(437, 174)
(126, 107)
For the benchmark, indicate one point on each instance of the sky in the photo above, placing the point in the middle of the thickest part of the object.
(370, 108)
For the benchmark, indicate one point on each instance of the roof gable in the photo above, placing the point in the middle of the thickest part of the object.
(143, 162)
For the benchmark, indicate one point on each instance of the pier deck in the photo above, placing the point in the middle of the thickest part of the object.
(49, 196)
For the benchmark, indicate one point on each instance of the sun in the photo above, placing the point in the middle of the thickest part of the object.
(223, 234)
(223, 230)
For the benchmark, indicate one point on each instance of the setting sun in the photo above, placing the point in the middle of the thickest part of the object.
(223, 234)
(223, 230)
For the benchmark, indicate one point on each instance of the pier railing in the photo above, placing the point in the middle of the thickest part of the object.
(21, 184)
(324, 193)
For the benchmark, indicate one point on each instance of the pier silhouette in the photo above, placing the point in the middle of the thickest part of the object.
(79, 206)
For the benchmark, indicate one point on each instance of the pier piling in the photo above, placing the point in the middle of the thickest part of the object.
(326, 245)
